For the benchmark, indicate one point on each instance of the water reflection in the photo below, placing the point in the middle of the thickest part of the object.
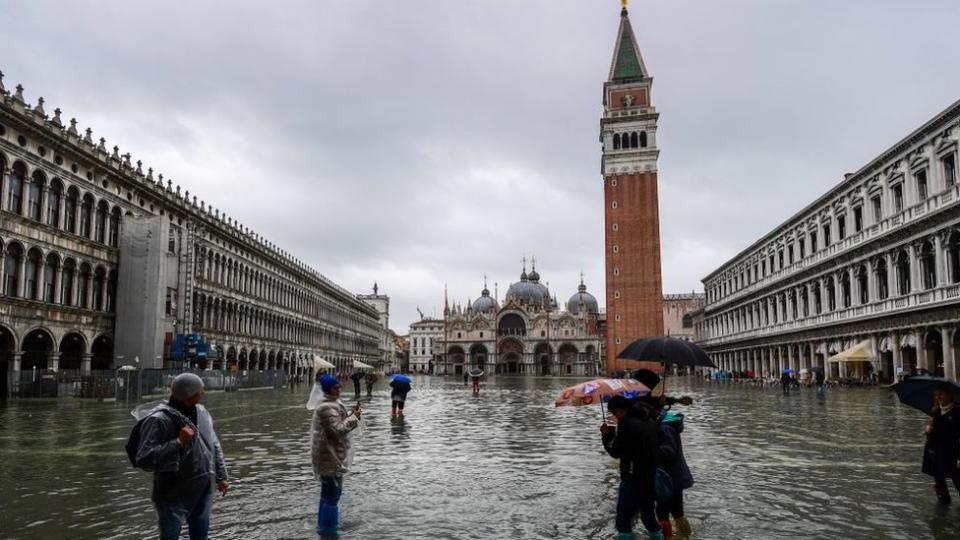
(504, 464)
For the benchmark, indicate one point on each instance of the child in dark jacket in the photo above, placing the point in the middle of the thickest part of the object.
(673, 461)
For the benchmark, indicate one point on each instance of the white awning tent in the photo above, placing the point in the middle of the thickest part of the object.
(320, 363)
(360, 365)
(861, 352)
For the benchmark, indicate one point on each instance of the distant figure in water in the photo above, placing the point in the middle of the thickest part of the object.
(785, 383)
(476, 383)
(356, 378)
(466, 378)
(398, 396)
(370, 379)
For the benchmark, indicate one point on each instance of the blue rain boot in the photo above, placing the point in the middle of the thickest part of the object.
(655, 535)
(329, 520)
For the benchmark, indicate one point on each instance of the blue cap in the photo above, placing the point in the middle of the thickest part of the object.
(327, 382)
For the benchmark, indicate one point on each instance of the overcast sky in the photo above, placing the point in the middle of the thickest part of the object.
(419, 143)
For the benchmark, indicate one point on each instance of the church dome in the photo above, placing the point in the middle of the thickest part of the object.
(582, 299)
(526, 291)
(486, 303)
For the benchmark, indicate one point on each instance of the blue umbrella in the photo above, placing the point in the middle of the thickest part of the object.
(917, 392)
(402, 378)
(789, 371)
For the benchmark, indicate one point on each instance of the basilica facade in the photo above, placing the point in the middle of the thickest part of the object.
(531, 333)
(104, 263)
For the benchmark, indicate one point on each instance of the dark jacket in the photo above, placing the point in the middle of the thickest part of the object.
(634, 443)
(942, 450)
(671, 453)
(399, 389)
(180, 473)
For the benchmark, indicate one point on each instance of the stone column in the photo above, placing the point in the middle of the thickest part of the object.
(85, 363)
(89, 296)
(891, 275)
(62, 211)
(103, 295)
(43, 203)
(22, 278)
(854, 287)
(4, 195)
(940, 259)
(3, 273)
(949, 359)
(921, 350)
(53, 361)
(15, 372)
(914, 269)
(871, 284)
(837, 292)
(41, 276)
(897, 358)
(58, 284)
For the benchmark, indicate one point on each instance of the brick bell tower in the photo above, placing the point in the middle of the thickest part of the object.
(628, 133)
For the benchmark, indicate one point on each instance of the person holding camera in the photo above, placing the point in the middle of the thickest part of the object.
(330, 449)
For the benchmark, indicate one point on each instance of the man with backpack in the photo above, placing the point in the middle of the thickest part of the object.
(176, 442)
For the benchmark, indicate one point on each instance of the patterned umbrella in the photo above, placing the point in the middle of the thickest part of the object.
(599, 391)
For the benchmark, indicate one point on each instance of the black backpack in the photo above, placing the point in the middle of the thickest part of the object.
(133, 442)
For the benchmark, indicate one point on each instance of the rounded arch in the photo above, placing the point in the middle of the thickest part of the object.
(15, 187)
(73, 345)
(37, 347)
(102, 352)
(8, 345)
(511, 324)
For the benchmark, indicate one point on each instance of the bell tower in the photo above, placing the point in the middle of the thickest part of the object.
(628, 134)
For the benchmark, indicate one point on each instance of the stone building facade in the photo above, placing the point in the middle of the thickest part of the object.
(381, 303)
(628, 133)
(678, 310)
(876, 259)
(530, 334)
(425, 338)
(65, 200)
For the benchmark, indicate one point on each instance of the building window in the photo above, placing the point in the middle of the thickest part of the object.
(617, 318)
(616, 248)
(613, 182)
(841, 228)
(826, 235)
(171, 305)
(617, 341)
(803, 248)
(857, 219)
(614, 204)
(616, 294)
(877, 209)
(903, 273)
(813, 242)
(780, 258)
(790, 254)
(643, 139)
(172, 240)
(949, 171)
(921, 177)
(898, 198)
(616, 271)
(616, 227)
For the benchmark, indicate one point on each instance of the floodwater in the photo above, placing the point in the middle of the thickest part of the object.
(504, 464)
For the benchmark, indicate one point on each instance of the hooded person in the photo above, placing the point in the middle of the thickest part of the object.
(941, 452)
(634, 442)
(330, 451)
(179, 445)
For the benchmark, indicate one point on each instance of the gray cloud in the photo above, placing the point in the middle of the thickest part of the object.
(427, 142)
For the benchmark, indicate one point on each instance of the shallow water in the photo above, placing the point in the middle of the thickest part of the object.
(505, 464)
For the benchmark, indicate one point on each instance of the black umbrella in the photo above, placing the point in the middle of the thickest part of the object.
(917, 392)
(667, 350)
